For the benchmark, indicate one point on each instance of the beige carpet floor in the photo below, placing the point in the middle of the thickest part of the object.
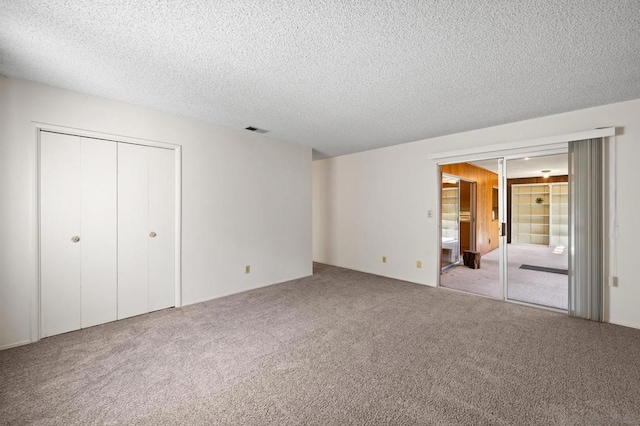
(338, 348)
(537, 287)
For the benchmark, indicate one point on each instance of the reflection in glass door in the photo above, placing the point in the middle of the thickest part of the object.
(524, 205)
(538, 229)
(450, 221)
(469, 223)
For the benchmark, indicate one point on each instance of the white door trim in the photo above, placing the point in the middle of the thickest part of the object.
(518, 147)
(100, 135)
(39, 127)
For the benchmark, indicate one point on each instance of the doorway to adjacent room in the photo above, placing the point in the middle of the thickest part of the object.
(458, 219)
(521, 229)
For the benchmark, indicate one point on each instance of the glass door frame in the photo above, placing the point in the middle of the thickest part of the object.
(504, 256)
(502, 160)
(502, 226)
(503, 163)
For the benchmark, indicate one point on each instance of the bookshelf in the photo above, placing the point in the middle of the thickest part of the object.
(539, 214)
(450, 224)
(559, 218)
(450, 208)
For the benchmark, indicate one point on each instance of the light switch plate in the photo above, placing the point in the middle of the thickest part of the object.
(418, 264)
(247, 269)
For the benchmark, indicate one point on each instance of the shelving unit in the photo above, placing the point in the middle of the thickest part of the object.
(559, 223)
(450, 224)
(544, 222)
(450, 203)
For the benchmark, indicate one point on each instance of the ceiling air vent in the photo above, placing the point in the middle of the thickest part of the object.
(255, 129)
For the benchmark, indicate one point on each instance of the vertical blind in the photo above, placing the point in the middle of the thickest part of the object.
(586, 229)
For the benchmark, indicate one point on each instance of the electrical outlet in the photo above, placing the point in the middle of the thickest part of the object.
(418, 264)
(247, 269)
(613, 281)
(430, 213)
(384, 259)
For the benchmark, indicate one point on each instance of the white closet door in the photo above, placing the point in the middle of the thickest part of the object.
(162, 225)
(99, 267)
(133, 230)
(60, 176)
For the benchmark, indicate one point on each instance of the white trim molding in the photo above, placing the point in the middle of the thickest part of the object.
(15, 345)
(550, 143)
(105, 136)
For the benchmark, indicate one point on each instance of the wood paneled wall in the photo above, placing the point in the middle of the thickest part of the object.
(486, 228)
(521, 181)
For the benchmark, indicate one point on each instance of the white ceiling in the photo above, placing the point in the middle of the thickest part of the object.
(530, 166)
(337, 75)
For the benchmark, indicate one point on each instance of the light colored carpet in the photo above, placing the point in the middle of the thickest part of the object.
(338, 348)
(540, 288)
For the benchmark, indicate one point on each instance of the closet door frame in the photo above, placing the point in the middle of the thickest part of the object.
(177, 150)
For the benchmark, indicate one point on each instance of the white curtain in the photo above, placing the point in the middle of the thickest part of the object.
(586, 229)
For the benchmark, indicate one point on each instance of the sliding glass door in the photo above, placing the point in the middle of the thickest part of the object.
(548, 216)
(514, 234)
(536, 243)
(469, 224)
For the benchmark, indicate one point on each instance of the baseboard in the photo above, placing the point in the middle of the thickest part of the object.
(231, 293)
(622, 324)
(378, 274)
(14, 345)
(26, 342)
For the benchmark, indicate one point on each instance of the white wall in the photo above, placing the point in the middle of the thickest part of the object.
(375, 203)
(246, 198)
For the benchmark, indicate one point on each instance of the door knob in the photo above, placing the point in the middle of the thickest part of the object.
(75, 239)
(152, 234)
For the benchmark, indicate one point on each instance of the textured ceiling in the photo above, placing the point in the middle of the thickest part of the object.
(340, 76)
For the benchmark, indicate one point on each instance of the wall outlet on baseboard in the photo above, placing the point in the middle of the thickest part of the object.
(384, 259)
(247, 269)
(613, 281)
(418, 264)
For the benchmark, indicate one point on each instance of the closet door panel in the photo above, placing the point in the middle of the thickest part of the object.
(60, 176)
(133, 230)
(99, 231)
(162, 224)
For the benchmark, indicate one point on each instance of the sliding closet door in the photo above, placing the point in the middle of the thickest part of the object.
(60, 174)
(77, 232)
(98, 194)
(133, 234)
(161, 228)
(146, 229)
